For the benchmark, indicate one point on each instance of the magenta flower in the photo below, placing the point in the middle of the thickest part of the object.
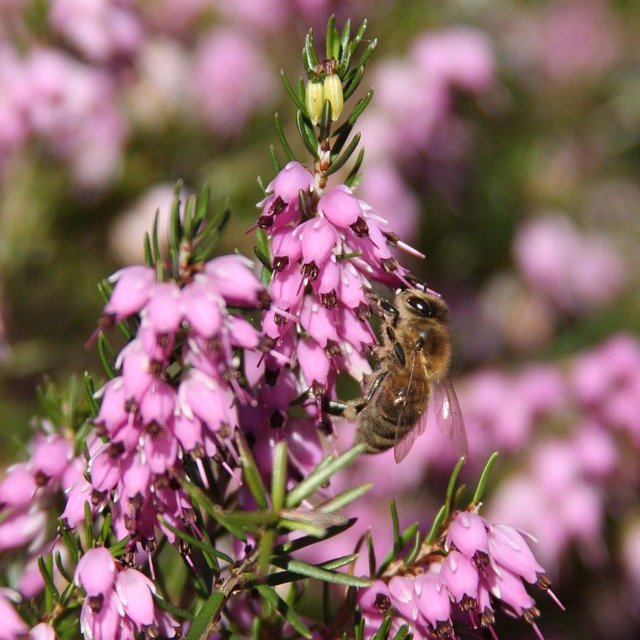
(118, 602)
(13, 626)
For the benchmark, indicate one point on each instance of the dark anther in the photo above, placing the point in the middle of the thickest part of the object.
(360, 227)
(266, 344)
(276, 420)
(277, 206)
(154, 430)
(130, 406)
(264, 300)
(271, 376)
(250, 438)
(264, 222)
(332, 349)
(392, 238)
(280, 262)
(382, 602)
(318, 390)
(389, 264)
(115, 449)
(97, 497)
(95, 603)
(155, 368)
(41, 478)
(363, 312)
(330, 300)
(310, 270)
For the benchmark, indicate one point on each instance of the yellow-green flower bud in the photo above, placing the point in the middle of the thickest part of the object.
(333, 93)
(314, 99)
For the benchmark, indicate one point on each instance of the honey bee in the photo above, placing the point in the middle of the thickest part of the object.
(411, 372)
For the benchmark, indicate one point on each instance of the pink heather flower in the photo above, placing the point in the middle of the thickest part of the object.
(433, 601)
(460, 575)
(402, 594)
(117, 599)
(508, 587)
(461, 57)
(101, 29)
(131, 292)
(18, 487)
(340, 206)
(96, 572)
(468, 532)
(232, 278)
(563, 264)
(13, 626)
(230, 80)
(509, 549)
(291, 179)
(42, 631)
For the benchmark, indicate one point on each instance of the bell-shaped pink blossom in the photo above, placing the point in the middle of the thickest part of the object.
(233, 278)
(136, 477)
(350, 285)
(161, 451)
(285, 244)
(158, 403)
(204, 397)
(131, 292)
(136, 372)
(104, 469)
(42, 631)
(460, 575)
(113, 414)
(340, 206)
(188, 430)
(286, 287)
(313, 361)
(78, 495)
(100, 618)
(163, 309)
(468, 532)
(203, 308)
(22, 527)
(318, 238)
(13, 626)
(135, 591)
(402, 593)
(432, 599)
(96, 572)
(318, 321)
(242, 333)
(19, 487)
(291, 179)
(508, 587)
(509, 549)
(52, 455)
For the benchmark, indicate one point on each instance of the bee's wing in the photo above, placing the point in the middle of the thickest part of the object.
(449, 415)
(417, 387)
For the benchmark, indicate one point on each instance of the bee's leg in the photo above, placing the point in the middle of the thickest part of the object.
(334, 407)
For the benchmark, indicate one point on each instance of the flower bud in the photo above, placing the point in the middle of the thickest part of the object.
(333, 93)
(314, 99)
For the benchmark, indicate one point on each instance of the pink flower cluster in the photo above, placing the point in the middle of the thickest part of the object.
(485, 568)
(177, 388)
(322, 265)
(579, 424)
(26, 494)
(575, 271)
(119, 602)
(413, 117)
(49, 95)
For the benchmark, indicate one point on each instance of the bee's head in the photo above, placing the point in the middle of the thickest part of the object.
(419, 305)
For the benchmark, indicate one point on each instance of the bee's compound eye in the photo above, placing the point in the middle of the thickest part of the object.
(422, 306)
